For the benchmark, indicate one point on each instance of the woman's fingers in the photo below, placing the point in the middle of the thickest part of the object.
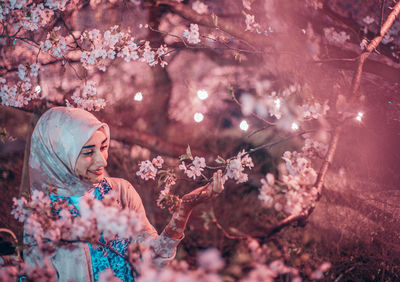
(217, 184)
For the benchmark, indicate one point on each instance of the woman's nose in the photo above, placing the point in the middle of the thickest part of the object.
(100, 160)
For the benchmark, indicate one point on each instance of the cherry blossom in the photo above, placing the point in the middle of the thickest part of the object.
(88, 99)
(250, 22)
(199, 7)
(192, 35)
(335, 37)
(314, 111)
(368, 20)
(146, 170)
(236, 166)
(210, 260)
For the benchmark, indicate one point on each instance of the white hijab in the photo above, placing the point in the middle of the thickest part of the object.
(56, 143)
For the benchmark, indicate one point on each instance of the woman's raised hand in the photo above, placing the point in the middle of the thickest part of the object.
(204, 193)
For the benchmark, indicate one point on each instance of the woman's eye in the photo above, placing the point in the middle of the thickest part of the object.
(103, 148)
(88, 153)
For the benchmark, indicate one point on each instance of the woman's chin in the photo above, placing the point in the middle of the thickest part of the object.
(93, 179)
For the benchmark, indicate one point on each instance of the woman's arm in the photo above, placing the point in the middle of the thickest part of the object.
(175, 228)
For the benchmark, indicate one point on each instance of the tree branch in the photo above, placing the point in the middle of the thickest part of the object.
(252, 39)
(337, 130)
(318, 184)
(371, 47)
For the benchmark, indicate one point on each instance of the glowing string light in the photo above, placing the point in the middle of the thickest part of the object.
(277, 104)
(38, 89)
(244, 125)
(198, 117)
(202, 94)
(359, 116)
(295, 126)
(138, 96)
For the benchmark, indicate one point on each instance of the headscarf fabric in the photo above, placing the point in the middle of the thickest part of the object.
(56, 143)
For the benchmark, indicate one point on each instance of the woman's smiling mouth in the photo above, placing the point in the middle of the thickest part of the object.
(97, 172)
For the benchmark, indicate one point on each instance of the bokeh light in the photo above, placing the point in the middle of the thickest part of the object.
(138, 96)
(202, 94)
(359, 116)
(198, 117)
(244, 125)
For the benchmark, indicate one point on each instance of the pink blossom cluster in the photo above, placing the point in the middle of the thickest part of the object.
(200, 7)
(313, 148)
(55, 44)
(195, 169)
(314, 111)
(29, 15)
(314, 4)
(87, 99)
(236, 166)
(210, 260)
(318, 274)
(268, 273)
(267, 191)
(299, 200)
(368, 20)
(148, 169)
(387, 38)
(39, 272)
(251, 24)
(96, 217)
(299, 166)
(114, 43)
(169, 181)
(298, 177)
(266, 105)
(263, 271)
(192, 35)
(247, 4)
(22, 92)
(106, 216)
(209, 263)
(335, 37)
(299, 181)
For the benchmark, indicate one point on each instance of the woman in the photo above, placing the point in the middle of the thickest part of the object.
(69, 152)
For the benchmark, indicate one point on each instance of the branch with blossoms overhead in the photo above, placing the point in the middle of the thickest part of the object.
(292, 194)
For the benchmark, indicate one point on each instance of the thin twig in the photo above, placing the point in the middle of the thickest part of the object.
(253, 114)
(213, 21)
(26, 40)
(382, 13)
(342, 274)
(269, 145)
(336, 60)
(226, 234)
(70, 32)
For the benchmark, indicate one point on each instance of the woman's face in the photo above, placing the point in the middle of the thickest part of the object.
(93, 158)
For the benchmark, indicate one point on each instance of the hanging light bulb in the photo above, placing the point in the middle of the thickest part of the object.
(198, 117)
(277, 103)
(359, 116)
(202, 94)
(138, 96)
(38, 89)
(244, 125)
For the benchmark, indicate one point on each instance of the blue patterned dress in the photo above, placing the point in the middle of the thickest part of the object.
(102, 257)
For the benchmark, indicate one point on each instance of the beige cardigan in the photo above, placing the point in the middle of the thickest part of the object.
(75, 264)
